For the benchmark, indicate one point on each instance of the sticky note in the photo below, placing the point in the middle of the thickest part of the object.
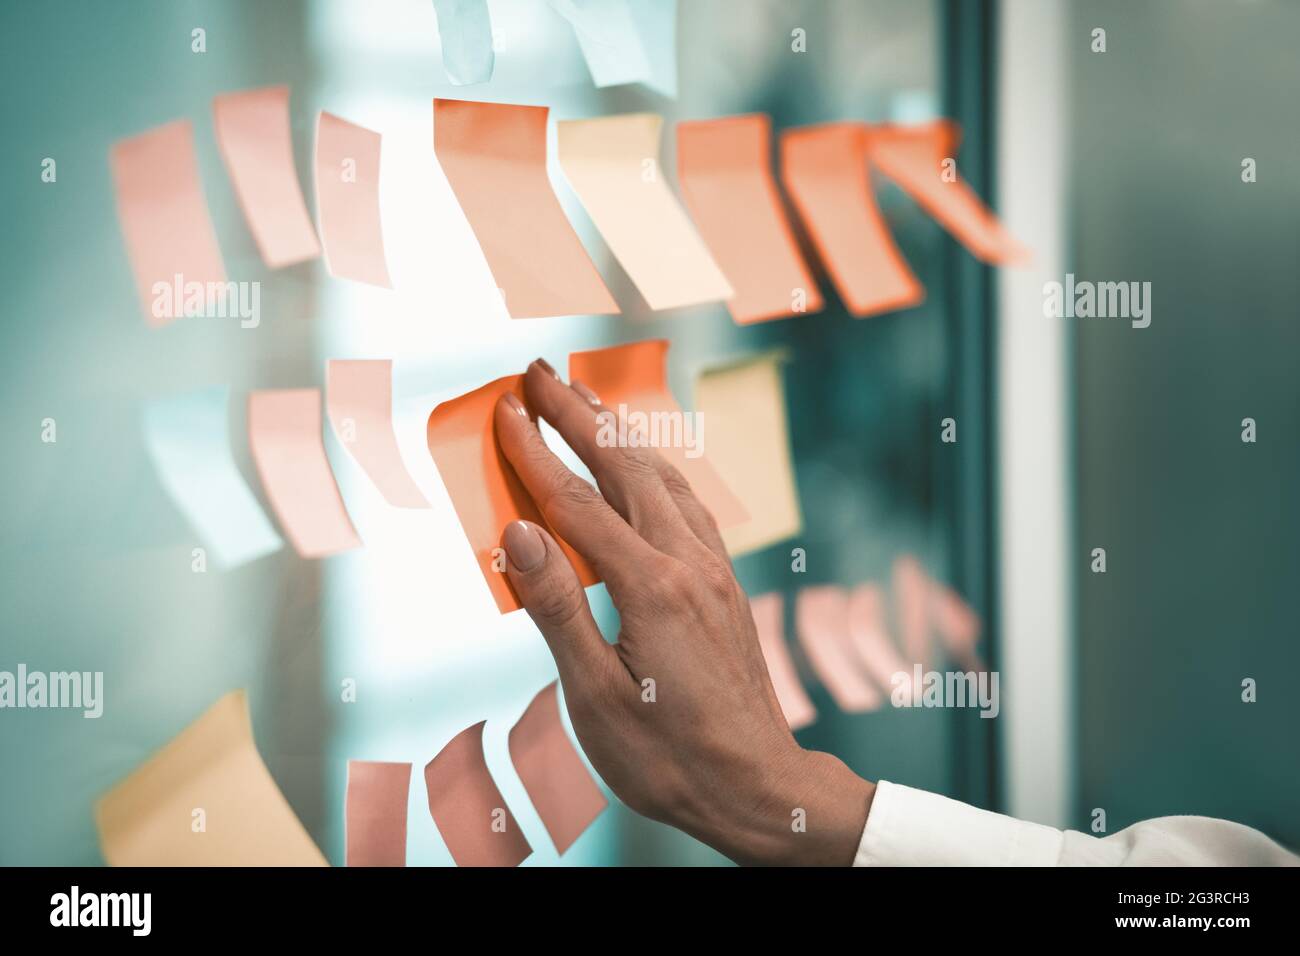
(347, 200)
(869, 635)
(284, 434)
(632, 383)
(613, 165)
(552, 772)
(165, 222)
(253, 134)
(725, 173)
(375, 812)
(911, 588)
(748, 442)
(188, 438)
(822, 623)
(915, 158)
(957, 625)
(626, 41)
(494, 157)
(465, 31)
(768, 611)
(824, 169)
(484, 489)
(204, 799)
(467, 807)
(359, 400)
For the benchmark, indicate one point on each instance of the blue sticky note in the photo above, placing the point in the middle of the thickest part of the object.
(466, 33)
(626, 41)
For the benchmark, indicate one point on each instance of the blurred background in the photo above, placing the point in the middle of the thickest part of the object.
(1120, 691)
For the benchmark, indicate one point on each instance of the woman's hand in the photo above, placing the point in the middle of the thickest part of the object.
(708, 751)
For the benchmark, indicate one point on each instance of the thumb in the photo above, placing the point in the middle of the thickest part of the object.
(549, 590)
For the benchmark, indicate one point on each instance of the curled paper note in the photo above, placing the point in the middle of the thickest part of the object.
(376, 812)
(626, 41)
(359, 399)
(188, 438)
(253, 134)
(632, 383)
(347, 200)
(725, 172)
(494, 157)
(824, 169)
(870, 638)
(484, 489)
(563, 792)
(613, 165)
(467, 807)
(922, 161)
(768, 611)
(749, 445)
(204, 799)
(957, 625)
(465, 31)
(912, 608)
(165, 221)
(284, 433)
(822, 623)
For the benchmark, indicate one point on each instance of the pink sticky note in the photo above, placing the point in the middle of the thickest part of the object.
(957, 625)
(359, 399)
(347, 200)
(467, 807)
(284, 433)
(254, 138)
(376, 812)
(557, 781)
(164, 217)
(822, 623)
(768, 611)
(911, 608)
(870, 638)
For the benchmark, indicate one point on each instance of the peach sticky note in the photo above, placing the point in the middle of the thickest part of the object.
(725, 172)
(494, 157)
(957, 625)
(613, 165)
(822, 623)
(359, 399)
(743, 408)
(347, 200)
(563, 792)
(768, 611)
(164, 217)
(210, 774)
(467, 807)
(914, 157)
(376, 812)
(870, 638)
(284, 433)
(632, 382)
(912, 608)
(253, 135)
(484, 489)
(824, 169)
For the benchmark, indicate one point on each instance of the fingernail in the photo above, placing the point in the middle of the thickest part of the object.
(524, 546)
(591, 397)
(513, 401)
(545, 366)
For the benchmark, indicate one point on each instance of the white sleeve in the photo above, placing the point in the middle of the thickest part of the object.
(907, 827)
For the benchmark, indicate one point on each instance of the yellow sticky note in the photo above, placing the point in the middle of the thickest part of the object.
(747, 438)
(204, 799)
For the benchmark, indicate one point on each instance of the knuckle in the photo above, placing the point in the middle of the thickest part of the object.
(571, 495)
(557, 605)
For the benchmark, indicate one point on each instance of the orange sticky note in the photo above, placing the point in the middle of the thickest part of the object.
(822, 623)
(768, 611)
(467, 807)
(725, 173)
(359, 399)
(612, 164)
(375, 812)
(914, 158)
(484, 489)
(557, 781)
(632, 381)
(347, 200)
(870, 638)
(164, 217)
(284, 433)
(494, 157)
(824, 169)
(210, 773)
(912, 608)
(253, 135)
